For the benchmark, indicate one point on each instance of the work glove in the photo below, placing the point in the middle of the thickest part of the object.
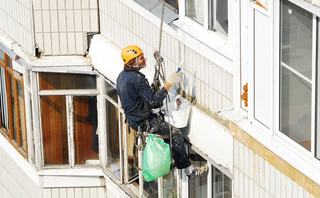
(174, 78)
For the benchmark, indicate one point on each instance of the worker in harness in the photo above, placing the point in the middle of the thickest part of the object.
(138, 98)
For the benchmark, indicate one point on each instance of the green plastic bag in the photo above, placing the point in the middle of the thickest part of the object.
(156, 158)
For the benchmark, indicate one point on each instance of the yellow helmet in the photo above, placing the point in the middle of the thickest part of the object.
(130, 52)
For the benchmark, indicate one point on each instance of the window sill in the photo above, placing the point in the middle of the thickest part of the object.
(305, 164)
(212, 45)
(81, 171)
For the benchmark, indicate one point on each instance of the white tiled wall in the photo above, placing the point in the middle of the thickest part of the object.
(16, 22)
(96, 192)
(13, 180)
(61, 25)
(255, 177)
(211, 85)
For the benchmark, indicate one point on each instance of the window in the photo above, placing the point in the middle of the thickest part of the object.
(69, 119)
(173, 3)
(214, 184)
(198, 186)
(12, 117)
(195, 10)
(217, 19)
(296, 73)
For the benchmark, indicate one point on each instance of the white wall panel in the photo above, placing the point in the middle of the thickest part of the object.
(260, 178)
(15, 179)
(16, 22)
(65, 17)
(92, 192)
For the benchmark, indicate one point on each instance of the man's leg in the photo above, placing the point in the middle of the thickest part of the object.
(179, 154)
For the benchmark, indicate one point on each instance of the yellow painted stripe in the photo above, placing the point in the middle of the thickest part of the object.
(275, 160)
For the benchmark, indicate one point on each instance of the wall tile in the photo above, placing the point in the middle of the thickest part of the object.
(85, 4)
(54, 21)
(47, 43)
(62, 193)
(45, 4)
(70, 20)
(46, 21)
(78, 21)
(93, 4)
(37, 4)
(267, 176)
(53, 4)
(85, 192)
(289, 187)
(70, 193)
(62, 4)
(38, 21)
(86, 20)
(94, 21)
(62, 20)
(69, 4)
(55, 43)
(71, 43)
(77, 4)
(79, 43)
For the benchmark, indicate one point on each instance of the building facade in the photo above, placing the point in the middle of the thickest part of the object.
(250, 72)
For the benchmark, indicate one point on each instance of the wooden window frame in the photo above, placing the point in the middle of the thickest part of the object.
(9, 134)
(68, 94)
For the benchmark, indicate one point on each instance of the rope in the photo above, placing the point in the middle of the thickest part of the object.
(159, 72)
(161, 26)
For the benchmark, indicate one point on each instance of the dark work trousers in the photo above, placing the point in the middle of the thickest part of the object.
(156, 125)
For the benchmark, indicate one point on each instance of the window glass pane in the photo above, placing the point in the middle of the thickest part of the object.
(10, 62)
(132, 154)
(296, 40)
(1, 55)
(31, 126)
(296, 72)
(198, 185)
(13, 107)
(51, 81)
(54, 129)
(3, 100)
(295, 108)
(173, 3)
(194, 10)
(22, 129)
(113, 145)
(221, 16)
(85, 130)
(111, 92)
(221, 184)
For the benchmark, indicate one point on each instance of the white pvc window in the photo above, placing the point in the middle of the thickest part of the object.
(195, 10)
(218, 16)
(212, 14)
(214, 184)
(296, 73)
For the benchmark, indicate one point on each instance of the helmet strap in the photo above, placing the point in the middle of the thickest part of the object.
(135, 66)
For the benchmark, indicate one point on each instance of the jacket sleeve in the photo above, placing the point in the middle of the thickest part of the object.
(145, 92)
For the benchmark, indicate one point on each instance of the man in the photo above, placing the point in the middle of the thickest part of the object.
(138, 98)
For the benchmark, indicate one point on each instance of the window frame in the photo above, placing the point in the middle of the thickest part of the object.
(15, 76)
(293, 145)
(69, 94)
(209, 13)
(211, 165)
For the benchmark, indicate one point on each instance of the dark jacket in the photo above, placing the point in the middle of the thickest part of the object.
(136, 96)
